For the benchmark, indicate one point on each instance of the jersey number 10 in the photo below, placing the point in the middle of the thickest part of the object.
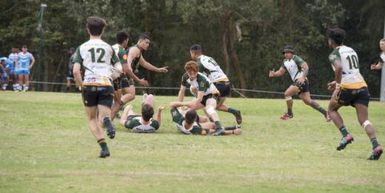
(353, 61)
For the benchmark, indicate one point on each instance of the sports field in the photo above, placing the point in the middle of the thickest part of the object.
(46, 147)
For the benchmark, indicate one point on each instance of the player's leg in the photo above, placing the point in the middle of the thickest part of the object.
(289, 93)
(149, 99)
(335, 116)
(224, 90)
(128, 90)
(90, 96)
(305, 96)
(126, 112)
(211, 104)
(105, 99)
(361, 107)
(26, 81)
(117, 104)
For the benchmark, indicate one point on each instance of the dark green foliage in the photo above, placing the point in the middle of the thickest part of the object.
(266, 26)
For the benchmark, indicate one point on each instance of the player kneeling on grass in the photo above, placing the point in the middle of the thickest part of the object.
(143, 123)
(298, 70)
(205, 94)
(192, 124)
(349, 88)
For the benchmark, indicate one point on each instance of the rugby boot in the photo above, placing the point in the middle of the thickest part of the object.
(218, 132)
(344, 142)
(286, 116)
(376, 154)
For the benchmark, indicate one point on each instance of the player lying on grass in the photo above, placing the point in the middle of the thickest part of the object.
(298, 70)
(189, 123)
(143, 123)
(206, 94)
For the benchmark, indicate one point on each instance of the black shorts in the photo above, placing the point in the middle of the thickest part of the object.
(97, 95)
(303, 87)
(209, 96)
(223, 88)
(353, 96)
(122, 82)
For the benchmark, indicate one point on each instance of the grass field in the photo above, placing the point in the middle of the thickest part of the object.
(46, 147)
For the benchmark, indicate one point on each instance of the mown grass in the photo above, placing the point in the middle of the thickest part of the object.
(45, 146)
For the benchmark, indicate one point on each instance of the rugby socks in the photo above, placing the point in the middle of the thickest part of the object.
(232, 111)
(343, 131)
(218, 125)
(374, 142)
(103, 144)
(107, 123)
(290, 111)
(231, 127)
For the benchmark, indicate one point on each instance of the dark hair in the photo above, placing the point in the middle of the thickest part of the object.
(336, 34)
(95, 25)
(196, 47)
(288, 48)
(144, 36)
(24, 46)
(121, 37)
(190, 116)
(147, 112)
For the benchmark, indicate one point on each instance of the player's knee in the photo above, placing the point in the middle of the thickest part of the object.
(288, 98)
(210, 110)
(366, 124)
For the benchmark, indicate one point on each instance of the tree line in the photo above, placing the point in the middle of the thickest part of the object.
(246, 37)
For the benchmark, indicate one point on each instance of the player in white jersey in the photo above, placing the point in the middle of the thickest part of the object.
(381, 62)
(209, 67)
(206, 94)
(298, 70)
(25, 61)
(349, 88)
(99, 61)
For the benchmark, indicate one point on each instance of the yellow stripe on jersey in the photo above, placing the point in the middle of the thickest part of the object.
(356, 85)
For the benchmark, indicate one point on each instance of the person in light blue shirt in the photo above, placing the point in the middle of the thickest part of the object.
(24, 65)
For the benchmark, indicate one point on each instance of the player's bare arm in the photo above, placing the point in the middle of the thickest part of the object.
(77, 75)
(278, 73)
(305, 71)
(377, 66)
(159, 115)
(151, 67)
(133, 53)
(32, 63)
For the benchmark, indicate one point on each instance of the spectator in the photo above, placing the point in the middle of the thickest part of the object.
(24, 65)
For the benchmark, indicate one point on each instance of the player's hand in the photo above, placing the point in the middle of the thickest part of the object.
(161, 108)
(373, 67)
(163, 69)
(301, 80)
(143, 82)
(271, 73)
(332, 86)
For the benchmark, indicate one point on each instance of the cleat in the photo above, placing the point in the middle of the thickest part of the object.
(238, 117)
(218, 132)
(104, 153)
(286, 117)
(376, 154)
(344, 142)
